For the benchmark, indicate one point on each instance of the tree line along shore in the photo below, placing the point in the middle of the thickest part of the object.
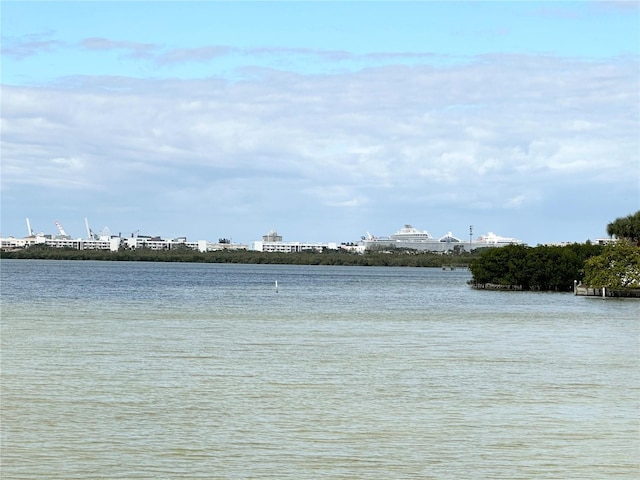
(612, 266)
(397, 258)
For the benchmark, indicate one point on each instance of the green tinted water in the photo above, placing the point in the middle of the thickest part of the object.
(132, 370)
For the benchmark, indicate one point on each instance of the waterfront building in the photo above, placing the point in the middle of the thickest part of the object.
(206, 246)
(12, 243)
(115, 243)
(111, 244)
(157, 243)
(272, 242)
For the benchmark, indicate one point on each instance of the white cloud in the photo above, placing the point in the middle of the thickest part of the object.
(502, 133)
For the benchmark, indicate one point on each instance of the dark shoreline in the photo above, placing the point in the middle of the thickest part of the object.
(395, 259)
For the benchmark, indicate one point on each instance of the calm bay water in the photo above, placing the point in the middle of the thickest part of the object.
(162, 370)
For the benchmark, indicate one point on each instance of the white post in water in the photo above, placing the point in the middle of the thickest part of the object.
(575, 287)
(276, 286)
(604, 292)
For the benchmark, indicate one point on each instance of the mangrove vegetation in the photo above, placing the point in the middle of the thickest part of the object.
(518, 267)
(532, 268)
(395, 258)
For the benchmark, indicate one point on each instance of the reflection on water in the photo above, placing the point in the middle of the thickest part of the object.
(136, 370)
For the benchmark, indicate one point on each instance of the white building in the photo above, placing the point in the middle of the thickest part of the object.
(111, 244)
(12, 243)
(353, 247)
(272, 242)
(206, 246)
(157, 243)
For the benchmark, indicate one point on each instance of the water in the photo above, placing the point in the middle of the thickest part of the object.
(162, 370)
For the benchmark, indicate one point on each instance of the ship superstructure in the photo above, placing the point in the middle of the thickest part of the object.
(411, 238)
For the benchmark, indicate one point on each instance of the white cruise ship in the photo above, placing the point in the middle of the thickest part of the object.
(411, 238)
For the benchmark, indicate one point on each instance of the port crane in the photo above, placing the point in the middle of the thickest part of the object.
(90, 234)
(63, 234)
(30, 233)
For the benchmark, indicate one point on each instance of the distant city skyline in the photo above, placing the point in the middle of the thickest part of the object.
(89, 231)
(321, 120)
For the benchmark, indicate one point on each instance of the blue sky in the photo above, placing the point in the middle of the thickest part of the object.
(323, 120)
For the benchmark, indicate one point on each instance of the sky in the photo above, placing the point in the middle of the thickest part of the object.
(324, 121)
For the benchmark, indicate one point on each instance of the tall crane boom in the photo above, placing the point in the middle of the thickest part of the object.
(29, 231)
(90, 234)
(60, 229)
